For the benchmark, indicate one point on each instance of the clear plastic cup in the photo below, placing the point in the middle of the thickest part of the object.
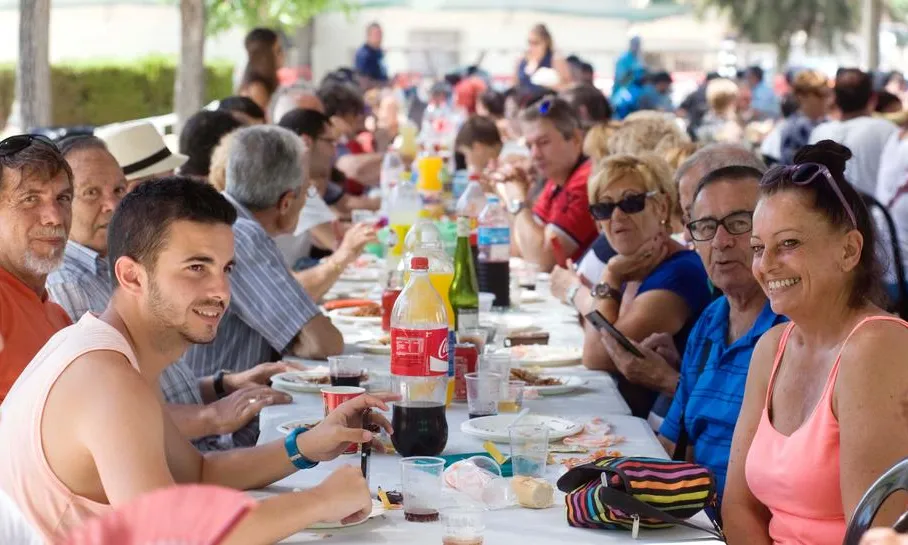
(527, 274)
(421, 478)
(529, 450)
(480, 479)
(346, 370)
(512, 397)
(485, 301)
(483, 393)
(463, 526)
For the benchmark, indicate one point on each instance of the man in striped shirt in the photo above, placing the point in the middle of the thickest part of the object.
(270, 314)
(82, 284)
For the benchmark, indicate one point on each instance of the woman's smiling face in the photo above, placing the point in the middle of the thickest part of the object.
(800, 259)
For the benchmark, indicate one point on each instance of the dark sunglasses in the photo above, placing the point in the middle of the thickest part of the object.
(632, 204)
(15, 144)
(736, 223)
(805, 174)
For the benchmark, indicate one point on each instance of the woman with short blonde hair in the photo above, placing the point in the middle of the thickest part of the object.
(653, 284)
(721, 123)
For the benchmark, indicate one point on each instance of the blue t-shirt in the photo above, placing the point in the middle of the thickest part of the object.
(711, 388)
(682, 274)
(371, 62)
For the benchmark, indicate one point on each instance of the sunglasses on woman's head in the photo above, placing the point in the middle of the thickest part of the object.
(805, 174)
(632, 204)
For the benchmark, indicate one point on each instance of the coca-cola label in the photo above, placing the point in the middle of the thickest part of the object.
(419, 352)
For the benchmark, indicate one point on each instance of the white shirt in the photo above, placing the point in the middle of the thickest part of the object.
(297, 245)
(865, 137)
(893, 175)
(14, 528)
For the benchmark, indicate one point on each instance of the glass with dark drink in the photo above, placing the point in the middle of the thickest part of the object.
(483, 393)
(420, 428)
(346, 370)
(421, 477)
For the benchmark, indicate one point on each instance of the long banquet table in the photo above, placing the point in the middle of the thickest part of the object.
(598, 398)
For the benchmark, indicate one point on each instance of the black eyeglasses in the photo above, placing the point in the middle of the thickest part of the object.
(805, 174)
(15, 144)
(736, 223)
(632, 204)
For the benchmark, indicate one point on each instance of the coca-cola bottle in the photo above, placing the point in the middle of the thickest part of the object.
(419, 365)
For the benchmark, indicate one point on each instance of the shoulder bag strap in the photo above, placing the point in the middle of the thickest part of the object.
(631, 505)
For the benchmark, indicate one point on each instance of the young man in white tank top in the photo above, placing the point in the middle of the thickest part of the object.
(87, 414)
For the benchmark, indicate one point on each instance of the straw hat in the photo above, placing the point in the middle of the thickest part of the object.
(139, 149)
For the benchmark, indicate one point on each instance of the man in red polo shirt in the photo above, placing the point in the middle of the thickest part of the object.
(36, 192)
(559, 226)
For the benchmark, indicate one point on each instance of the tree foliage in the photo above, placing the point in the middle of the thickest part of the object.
(777, 21)
(285, 15)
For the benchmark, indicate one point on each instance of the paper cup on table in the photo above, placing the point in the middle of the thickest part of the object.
(333, 396)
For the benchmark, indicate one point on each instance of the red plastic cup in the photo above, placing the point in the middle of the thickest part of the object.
(332, 396)
(388, 298)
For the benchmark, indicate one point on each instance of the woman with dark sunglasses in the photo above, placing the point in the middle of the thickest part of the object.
(821, 417)
(653, 284)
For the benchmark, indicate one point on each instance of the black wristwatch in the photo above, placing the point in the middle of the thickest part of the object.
(218, 384)
(604, 291)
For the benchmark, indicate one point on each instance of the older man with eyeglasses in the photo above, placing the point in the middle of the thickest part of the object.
(36, 192)
(713, 371)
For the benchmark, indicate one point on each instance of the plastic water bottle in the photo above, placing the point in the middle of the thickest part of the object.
(392, 168)
(419, 365)
(494, 244)
(470, 205)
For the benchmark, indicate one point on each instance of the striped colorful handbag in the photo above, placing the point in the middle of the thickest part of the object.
(631, 493)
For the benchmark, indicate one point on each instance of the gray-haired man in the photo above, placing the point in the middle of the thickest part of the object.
(270, 314)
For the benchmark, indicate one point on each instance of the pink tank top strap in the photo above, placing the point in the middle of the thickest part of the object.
(834, 372)
(780, 351)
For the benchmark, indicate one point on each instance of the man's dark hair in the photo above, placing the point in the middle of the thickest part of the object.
(790, 105)
(72, 144)
(309, 122)
(660, 77)
(243, 105)
(756, 72)
(341, 76)
(40, 159)
(341, 100)
(201, 134)
(555, 110)
(574, 60)
(477, 130)
(587, 69)
(885, 100)
(263, 36)
(587, 97)
(853, 90)
(140, 225)
(493, 101)
(728, 174)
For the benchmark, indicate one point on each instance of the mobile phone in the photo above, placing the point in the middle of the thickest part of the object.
(600, 323)
(560, 257)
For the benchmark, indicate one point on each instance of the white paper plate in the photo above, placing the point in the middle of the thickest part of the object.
(377, 510)
(545, 355)
(345, 315)
(297, 381)
(495, 428)
(374, 348)
(531, 296)
(568, 384)
(360, 275)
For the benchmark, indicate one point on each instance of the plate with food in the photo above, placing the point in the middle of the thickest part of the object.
(548, 384)
(363, 314)
(495, 428)
(310, 381)
(360, 275)
(546, 355)
(380, 345)
(308, 423)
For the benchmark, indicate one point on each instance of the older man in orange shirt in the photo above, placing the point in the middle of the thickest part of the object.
(36, 192)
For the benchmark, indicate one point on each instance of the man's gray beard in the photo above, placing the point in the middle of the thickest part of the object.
(42, 266)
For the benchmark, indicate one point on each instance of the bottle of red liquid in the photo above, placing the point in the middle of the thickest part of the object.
(419, 366)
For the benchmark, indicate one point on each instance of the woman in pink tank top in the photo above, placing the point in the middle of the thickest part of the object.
(821, 414)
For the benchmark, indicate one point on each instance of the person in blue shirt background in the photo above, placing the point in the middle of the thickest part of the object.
(626, 99)
(657, 93)
(713, 372)
(629, 65)
(370, 58)
(763, 100)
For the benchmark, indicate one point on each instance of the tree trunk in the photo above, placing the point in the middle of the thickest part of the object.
(33, 72)
(189, 89)
(871, 15)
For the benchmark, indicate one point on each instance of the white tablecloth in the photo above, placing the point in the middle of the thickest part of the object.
(598, 398)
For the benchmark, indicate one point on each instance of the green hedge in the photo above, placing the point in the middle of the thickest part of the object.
(101, 93)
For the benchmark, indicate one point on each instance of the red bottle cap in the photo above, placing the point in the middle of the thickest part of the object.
(419, 264)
